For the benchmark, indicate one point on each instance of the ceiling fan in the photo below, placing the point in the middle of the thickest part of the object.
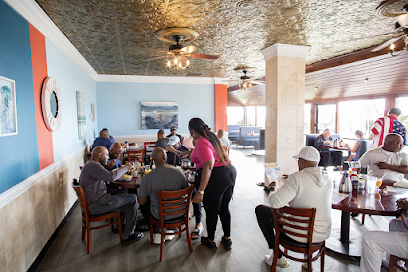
(179, 52)
(401, 29)
(246, 82)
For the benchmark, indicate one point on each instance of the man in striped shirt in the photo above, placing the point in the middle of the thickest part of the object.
(386, 125)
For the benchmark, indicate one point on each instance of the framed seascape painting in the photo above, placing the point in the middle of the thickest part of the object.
(8, 108)
(159, 115)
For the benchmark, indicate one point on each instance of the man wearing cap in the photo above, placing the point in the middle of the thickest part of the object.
(169, 144)
(310, 187)
(173, 131)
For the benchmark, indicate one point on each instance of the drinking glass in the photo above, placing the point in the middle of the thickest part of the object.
(378, 184)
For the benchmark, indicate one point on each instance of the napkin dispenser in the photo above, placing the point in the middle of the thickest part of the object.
(345, 183)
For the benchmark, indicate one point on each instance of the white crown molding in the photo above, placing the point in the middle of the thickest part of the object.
(33, 13)
(17, 190)
(221, 80)
(287, 50)
(159, 79)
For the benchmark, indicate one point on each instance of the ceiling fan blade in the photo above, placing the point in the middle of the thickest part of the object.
(150, 49)
(155, 58)
(202, 56)
(189, 49)
(257, 82)
(386, 44)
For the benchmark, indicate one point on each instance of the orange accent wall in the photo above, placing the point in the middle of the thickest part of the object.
(220, 106)
(39, 62)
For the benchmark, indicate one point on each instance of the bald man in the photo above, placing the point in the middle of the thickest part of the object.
(162, 178)
(114, 157)
(103, 139)
(388, 160)
(93, 180)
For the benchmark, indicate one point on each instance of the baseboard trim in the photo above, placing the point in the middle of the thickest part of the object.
(41, 255)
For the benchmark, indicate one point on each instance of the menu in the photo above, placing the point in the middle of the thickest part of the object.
(273, 172)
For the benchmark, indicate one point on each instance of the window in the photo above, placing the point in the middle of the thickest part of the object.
(326, 117)
(359, 115)
(260, 116)
(307, 117)
(402, 104)
(250, 116)
(235, 115)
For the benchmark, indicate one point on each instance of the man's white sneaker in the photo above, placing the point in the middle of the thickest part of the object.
(169, 237)
(282, 262)
(157, 238)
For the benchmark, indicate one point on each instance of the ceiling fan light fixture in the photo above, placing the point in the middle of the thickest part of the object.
(179, 63)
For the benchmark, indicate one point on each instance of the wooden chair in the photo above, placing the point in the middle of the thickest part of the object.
(136, 155)
(87, 218)
(298, 220)
(393, 267)
(170, 201)
(227, 149)
(149, 146)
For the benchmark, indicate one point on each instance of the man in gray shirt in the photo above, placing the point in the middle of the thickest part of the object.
(93, 180)
(162, 178)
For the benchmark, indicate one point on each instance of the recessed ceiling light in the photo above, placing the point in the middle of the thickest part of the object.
(366, 80)
(260, 96)
(316, 88)
(290, 11)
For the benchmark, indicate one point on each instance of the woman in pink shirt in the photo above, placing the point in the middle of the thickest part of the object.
(215, 181)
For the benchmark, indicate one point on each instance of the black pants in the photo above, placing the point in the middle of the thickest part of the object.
(197, 208)
(326, 154)
(265, 221)
(217, 196)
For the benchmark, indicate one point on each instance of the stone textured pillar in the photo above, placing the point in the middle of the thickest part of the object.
(285, 99)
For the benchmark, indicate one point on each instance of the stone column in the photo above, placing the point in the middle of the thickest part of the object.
(284, 101)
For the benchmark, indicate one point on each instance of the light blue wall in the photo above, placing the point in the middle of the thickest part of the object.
(118, 104)
(19, 153)
(70, 78)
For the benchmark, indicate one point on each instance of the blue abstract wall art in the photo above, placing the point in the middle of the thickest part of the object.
(159, 115)
(8, 111)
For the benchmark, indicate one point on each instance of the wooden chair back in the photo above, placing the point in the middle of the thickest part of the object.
(136, 155)
(87, 218)
(177, 205)
(299, 223)
(227, 149)
(149, 145)
(393, 267)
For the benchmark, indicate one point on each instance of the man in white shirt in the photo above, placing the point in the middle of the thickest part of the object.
(394, 242)
(388, 161)
(311, 187)
(226, 143)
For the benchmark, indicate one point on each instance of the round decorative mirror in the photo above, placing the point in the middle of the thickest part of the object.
(51, 104)
(54, 104)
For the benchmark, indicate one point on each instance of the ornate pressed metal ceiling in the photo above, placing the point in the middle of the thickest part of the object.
(111, 34)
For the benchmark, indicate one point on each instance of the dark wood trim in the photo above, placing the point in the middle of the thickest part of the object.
(351, 57)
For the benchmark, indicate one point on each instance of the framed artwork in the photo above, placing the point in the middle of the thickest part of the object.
(159, 115)
(8, 107)
(92, 115)
(80, 97)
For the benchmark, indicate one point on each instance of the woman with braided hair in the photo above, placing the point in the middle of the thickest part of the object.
(215, 181)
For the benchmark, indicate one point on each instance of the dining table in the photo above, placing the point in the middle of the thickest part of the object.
(134, 183)
(365, 201)
(341, 148)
